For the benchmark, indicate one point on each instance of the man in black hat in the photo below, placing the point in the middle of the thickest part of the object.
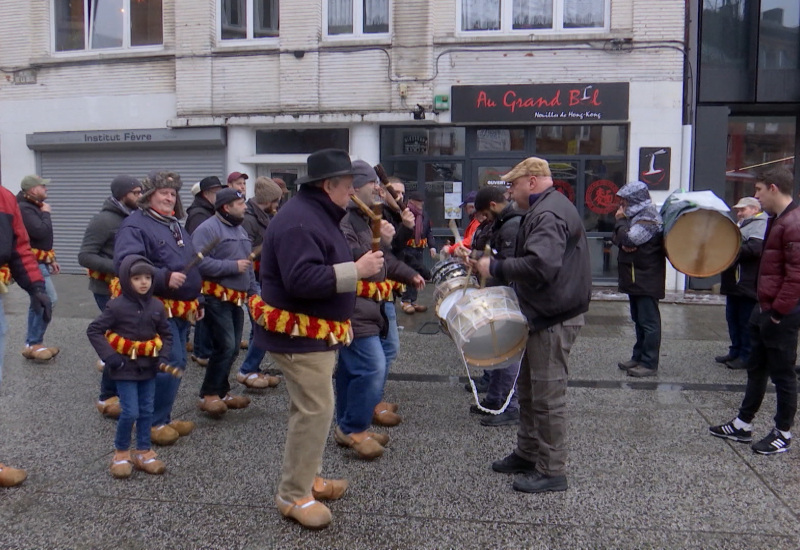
(97, 256)
(202, 208)
(228, 280)
(413, 252)
(308, 284)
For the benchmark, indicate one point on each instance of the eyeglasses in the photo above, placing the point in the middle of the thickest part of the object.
(136, 192)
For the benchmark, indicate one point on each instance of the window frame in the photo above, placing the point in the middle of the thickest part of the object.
(249, 24)
(358, 24)
(507, 22)
(87, 33)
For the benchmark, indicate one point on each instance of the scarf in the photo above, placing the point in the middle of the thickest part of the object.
(121, 206)
(417, 222)
(169, 221)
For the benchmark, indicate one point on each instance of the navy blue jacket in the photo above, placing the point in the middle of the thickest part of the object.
(301, 245)
(143, 235)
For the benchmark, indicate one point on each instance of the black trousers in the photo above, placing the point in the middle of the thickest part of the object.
(773, 355)
(647, 321)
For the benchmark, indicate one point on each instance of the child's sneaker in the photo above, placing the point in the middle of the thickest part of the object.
(772, 444)
(728, 431)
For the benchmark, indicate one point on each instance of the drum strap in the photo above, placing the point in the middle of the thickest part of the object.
(510, 393)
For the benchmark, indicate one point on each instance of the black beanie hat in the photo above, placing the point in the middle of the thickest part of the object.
(122, 185)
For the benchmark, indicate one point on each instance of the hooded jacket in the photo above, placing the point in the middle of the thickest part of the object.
(740, 278)
(37, 223)
(198, 212)
(643, 271)
(255, 222)
(97, 248)
(136, 317)
(368, 318)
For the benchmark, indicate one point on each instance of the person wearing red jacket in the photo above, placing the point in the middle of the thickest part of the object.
(774, 324)
(17, 260)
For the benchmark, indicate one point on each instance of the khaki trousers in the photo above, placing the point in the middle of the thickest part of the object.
(542, 387)
(309, 382)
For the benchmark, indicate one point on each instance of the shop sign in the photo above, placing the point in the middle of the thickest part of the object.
(595, 102)
(654, 167)
(415, 145)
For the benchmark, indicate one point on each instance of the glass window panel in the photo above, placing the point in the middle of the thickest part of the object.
(266, 18)
(584, 13)
(501, 139)
(69, 25)
(146, 23)
(603, 178)
(565, 178)
(301, 141)
(581, 140)
(406, 170)
(726, 66)
(340, 16)
(480, 15)
(234, 19)
(756, 144)
(490, 175)
(376, 16)
(533, 14)
(439, 178)
(779, 51)
(448, 141)
(106, 24)
(603, 257)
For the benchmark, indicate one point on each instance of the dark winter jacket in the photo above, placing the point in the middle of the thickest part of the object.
(97, 248)
(37, 223)
(255, 222)
(306, 267)
(500, 235)
(643, 271)
(142, 234)
(368, 318)
(740, 279)
(220, 265)
(779, 270)
(550, 270)
(15, 250)
(199, 211)
(135, 317)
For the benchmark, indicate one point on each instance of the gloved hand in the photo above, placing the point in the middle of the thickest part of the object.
(41, 305)
(115, 362)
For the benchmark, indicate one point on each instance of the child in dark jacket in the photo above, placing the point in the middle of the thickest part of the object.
(132, 337)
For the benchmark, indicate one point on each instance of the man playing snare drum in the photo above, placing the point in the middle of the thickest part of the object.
(551, 275)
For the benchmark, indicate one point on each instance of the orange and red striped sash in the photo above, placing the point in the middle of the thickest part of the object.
(181, 309)
(134, 348)
(298, 324)
(44, 256)
(100, 276)
(378, 291)
(5, 274)
(224, 293)
(415, 244)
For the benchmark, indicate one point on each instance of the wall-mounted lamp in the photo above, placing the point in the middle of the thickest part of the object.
(419, 112)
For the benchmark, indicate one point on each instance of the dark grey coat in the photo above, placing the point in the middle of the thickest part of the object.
(97, 248)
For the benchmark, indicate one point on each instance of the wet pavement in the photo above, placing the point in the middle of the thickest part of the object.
(643, 471)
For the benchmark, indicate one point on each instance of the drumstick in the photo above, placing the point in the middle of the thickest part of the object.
(255, 253)
(486, 252)
(454, 229)
(198, 257)
(366, 209)
(384, 179)
(469, 275)
(174, 371)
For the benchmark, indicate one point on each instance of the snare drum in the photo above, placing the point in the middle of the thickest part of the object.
(448, 269)
(487, 326)
(448, 292)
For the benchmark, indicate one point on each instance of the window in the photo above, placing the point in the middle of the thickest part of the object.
(105, 24)
(527, 15)
(357, 17)
(301, 141)
(246, 19)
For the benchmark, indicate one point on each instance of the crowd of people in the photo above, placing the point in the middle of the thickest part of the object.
(319, 275)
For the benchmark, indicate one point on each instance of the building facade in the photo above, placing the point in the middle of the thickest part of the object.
(447, 94)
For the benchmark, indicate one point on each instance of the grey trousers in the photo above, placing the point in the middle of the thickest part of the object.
(542, 387)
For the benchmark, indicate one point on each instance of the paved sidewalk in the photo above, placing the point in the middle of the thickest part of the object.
(643, 471)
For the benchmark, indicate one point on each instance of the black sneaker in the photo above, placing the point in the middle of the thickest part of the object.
(539, 483)
(627, 365)
(506, 418)
(736, 364)
(772, 444)
(724, 358)
(513, 464)
(728, 431)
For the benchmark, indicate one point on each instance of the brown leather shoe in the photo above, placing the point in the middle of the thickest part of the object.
(199, 360)
(11, 477)
(121, 465)
(244, 344)
(362, 443)
(328, 489)
(420, 309)
(100, 365)
(212, 405)
(385, 405)
(183, 427)
(236, 401)
(163, 435)
(146, 461)
(408, 308)
(111, 407)
(257, 380)
(341, 439)
(39, 353)
(308, 512)
(386, 417)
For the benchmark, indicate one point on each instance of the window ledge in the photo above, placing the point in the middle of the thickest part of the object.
(355, 41)
(482, 37)
(95, 56)
(246, 45)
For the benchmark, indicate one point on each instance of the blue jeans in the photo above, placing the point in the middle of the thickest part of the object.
(136, 398)
(737, 312)
(224, 322)
(390, 344)
(166, 384)
(502, 381)
(359, 383)
(202, 343)
(108, 387)
(252, 360)
(647, 321)
(3, 330)
(36, 325)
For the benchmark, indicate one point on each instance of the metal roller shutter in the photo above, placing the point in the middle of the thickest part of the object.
(81, 180)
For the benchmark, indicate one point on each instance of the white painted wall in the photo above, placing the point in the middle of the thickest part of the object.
(21, 117)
